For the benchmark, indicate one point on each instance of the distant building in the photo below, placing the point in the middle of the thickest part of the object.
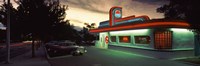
(142, 32)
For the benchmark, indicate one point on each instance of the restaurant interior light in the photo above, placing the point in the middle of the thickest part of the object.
(130, 31)
(179, 30)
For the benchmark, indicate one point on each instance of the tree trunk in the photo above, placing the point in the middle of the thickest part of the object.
(197, 45)
(33, 46)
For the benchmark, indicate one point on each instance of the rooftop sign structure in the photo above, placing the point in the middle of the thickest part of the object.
(116, 17)
(116, 22)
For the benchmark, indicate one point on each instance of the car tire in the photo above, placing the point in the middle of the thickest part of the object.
(74, 54)
(80, 53)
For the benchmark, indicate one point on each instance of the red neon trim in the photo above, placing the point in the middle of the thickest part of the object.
(110, 17)
(143, 25)
(110, 14)
(117, 12)
(128, 18)
(125, 18)
(145, 16)
(107, 39)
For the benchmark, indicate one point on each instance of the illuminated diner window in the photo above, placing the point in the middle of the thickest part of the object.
(124, 39)
(181, 30)
(113, 38)
(163, 39)
(142, 39)
(130, 31)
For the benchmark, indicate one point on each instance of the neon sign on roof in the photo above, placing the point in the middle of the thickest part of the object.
(118, 14)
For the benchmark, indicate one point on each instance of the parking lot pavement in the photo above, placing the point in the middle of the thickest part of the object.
(110, 57)
(27, 60)
(15, 50)
(165, 55)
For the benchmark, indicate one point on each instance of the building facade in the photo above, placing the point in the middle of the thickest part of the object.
(142, 32)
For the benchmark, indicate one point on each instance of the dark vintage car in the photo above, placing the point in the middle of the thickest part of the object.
(65, 47)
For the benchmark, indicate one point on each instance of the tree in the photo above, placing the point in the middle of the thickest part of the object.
(39, 17)
(3, 36)
(65, 31)
(87, 36)
(15, 31)
(92, 26)
(39, 20)
(174, 10)
(186, 10)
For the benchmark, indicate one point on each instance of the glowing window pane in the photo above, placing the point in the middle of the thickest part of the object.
(124, 39)
(142, 39)
(163, 40)
(113, 38)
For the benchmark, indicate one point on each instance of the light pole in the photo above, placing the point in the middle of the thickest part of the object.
(8, 32)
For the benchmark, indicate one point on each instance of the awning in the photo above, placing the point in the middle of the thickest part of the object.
(158, 24)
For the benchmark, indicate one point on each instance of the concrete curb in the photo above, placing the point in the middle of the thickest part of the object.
(181, 58)
(46, 53)
(165, 50)
(193, 64)
(177, 59)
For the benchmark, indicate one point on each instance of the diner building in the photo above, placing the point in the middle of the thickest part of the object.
(143, 32)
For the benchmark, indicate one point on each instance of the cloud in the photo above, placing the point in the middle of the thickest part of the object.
(95, 11)
(76, 21)
(155, 2)
(130, 7)
(78, 28)
(78, 16)
(92, 5)
(11, 1)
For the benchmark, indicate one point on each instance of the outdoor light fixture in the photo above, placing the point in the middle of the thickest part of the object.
(179, 30)
(125, 39)
(130, 31)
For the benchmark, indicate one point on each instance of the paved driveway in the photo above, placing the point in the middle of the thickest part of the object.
(166, 55)
(109, 57)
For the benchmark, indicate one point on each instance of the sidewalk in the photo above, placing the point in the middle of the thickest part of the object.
(26, 60)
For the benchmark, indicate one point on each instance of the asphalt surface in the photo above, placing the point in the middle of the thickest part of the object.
(165, 55)
(110, 57)
(16, 50)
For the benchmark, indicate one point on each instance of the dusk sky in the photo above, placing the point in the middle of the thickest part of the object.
(95, 11)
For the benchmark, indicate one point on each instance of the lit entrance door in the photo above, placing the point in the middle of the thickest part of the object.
(163, 40)
(104, 41)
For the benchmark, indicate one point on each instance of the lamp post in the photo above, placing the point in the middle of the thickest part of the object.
(8, 33)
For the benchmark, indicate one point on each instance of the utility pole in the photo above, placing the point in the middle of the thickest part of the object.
(8, 33)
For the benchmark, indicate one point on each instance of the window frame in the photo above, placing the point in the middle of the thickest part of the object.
(148, 39)
(120, 41)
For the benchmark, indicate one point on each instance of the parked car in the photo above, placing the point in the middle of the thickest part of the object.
(90, 43)
(65, 47)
